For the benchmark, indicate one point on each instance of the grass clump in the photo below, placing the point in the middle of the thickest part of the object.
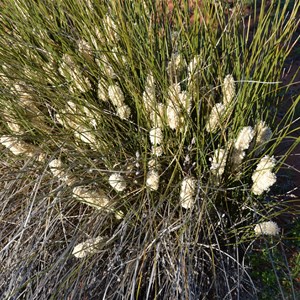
(139, 146)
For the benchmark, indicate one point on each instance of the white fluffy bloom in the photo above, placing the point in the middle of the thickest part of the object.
(94, 198)
(149, 95)
(20, 89)
(124, 112)
(263, 136)
(177, 102)
(117, 182)
(18, 147)
(193, 73)
(102, 91)
(76, 115)
(193, 65)
(14, 127)
(96, 36)
(244, 138)
(116, 95)
(103, 62)
(152, 181)
(57, 169)
(70, 71)
(90, 116)
(187, 192)
(215, 117)
(228, 89)
(157, 150)
(266, 228)
(111, 29)
(4, 79)
(263, 178)
(90, 246)
(173, 117)
(156, 136)
(186, 102)
(84, 47)
(85, 135)
(218, 161)
(152, 164)
(12, 122)
(157, 115)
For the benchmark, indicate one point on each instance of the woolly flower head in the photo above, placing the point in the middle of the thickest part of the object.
(187, 192)
(94, 198)
(57, 170)
(215, 117)
(85, 135)
(103, 62)
(90, 246)
(102, 91)
(11, 121)
(111, 29)
(244, 138)
(152, 181)
(185, 102)
(266, 228)
(149, 95)
(218, 161)
(228, 89)
(263, 135)
(150, 82)
(123, 112)
(177, 102)
(173, 118)
(70, 70)
(18, 147)
(157, 115)
(263, 178)
(84, 47)
(56, 167)
(116, 95)
(117, 182)
(193, 65)
(157, 150)
(156, 136)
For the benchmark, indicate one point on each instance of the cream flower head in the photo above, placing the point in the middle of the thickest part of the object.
(152, 181)
(215, 117)
(262, 177)
(228, 89)
(244, 138)
(93, 198)
(156, 136)
(263, 136)
(187, 192)
(90, 246)
(266, 228)
(218, 161)
(116, 95)
(117, 182)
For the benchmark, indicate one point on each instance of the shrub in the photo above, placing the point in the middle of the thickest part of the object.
(143, 137)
